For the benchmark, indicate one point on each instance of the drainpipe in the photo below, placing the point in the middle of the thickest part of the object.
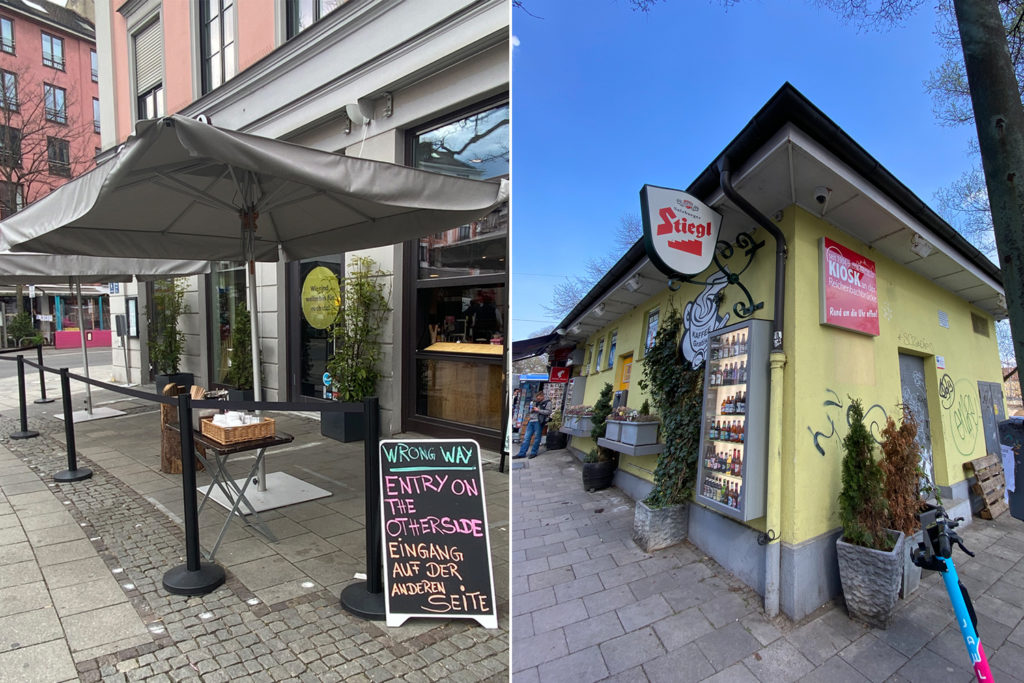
(777, 363)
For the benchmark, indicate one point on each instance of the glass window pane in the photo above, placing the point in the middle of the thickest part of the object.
(461, 314)
(478, 248)
(228, 22)
(215, 70)
(226, 292)
(459, 391)
(473, 147)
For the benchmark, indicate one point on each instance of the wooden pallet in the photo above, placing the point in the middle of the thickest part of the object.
(990, 484)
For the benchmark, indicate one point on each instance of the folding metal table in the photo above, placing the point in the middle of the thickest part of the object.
(235, 494)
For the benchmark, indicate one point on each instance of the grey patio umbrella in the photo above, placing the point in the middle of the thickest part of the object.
(18, 268)
(184, 189)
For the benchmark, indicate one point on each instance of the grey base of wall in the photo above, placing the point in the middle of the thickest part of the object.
(809, 575)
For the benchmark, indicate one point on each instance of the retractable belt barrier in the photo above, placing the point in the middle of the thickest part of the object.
(195, 577)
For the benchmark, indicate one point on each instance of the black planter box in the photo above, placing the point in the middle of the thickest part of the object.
(186, 379)
(556, 440)
(344, 427)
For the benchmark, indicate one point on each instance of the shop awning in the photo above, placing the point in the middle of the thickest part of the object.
(529, 348)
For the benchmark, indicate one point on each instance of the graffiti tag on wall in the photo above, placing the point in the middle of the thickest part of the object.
(963, 413)
(874, 419)
(911, 339)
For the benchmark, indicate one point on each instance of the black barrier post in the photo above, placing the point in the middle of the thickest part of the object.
(25, 432)
(72, 473)
(366, 598)
(42, 377)
(195, 577)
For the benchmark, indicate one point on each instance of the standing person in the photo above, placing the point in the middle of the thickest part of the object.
(539, 413)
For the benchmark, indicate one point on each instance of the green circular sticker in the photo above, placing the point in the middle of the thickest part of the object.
(321, 297)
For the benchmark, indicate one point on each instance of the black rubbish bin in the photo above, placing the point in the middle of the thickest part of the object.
(1011, 433)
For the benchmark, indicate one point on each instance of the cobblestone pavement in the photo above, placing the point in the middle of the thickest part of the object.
(589, 605)
(81, 568)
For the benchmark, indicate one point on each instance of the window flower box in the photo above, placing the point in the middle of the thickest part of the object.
(613, 429)
(639, 433)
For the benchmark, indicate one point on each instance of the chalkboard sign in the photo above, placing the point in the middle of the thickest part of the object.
(437, 549)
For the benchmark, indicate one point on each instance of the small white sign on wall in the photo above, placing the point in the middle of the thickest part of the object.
(940, 362)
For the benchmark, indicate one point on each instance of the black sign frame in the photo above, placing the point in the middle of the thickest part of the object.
(434, 532)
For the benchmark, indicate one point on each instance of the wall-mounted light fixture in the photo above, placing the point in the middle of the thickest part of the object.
(575, 329)
(634, 283)
(920, 246)
(599, 310)
(560, 331)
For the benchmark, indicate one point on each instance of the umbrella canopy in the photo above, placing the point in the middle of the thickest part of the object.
(18, 268)
(178, 189)
(184, 189)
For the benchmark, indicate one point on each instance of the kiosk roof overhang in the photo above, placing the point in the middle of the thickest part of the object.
(787, 150)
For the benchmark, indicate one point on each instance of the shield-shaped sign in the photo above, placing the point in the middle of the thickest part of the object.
(680, 232)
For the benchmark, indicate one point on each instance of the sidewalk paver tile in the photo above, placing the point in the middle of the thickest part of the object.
(579, 667)
(631, 649)
(112, 624)
(727, 645)
(834, 670)
(75, 572)
(534, 650)
(29, 628)
(592, 631)
(41, 663)
(686, 663)
(870, 656)
(85, 596)
(683, 628)
(780, 661)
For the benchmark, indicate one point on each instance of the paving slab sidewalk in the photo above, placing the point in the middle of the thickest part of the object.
(588, 605)
(81, 569)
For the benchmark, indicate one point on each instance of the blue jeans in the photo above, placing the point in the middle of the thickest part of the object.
(532, 431)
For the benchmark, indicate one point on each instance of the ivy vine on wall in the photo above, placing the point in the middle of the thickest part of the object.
(676, 389)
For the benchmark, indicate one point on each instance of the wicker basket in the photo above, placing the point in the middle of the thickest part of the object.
(259, 430)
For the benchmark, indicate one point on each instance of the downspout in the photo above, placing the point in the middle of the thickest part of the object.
(777, 362)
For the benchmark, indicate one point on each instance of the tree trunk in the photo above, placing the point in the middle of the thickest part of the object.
(999, 117)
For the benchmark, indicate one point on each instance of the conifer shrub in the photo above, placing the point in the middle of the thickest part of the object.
(863, 510)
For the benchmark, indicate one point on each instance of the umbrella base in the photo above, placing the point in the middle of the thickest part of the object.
(96, 414)
(29, 434)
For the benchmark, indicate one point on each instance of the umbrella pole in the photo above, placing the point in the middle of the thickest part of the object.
(257, 383)
(85, 354)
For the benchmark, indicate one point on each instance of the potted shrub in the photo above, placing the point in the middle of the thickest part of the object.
(901, 463)
(555, 438)
(21, 332)
(239, 374)
(677, 391)
(166, 339)
(600, 463)
(354, 366)
(870, 555)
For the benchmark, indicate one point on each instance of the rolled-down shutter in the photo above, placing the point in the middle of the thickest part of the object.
(148, 58)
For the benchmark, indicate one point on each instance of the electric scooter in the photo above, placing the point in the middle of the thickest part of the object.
(935, 553)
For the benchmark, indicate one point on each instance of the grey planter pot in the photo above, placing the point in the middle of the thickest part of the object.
(911, 572)
(613, 430)
(657, 528)
(639, 433)
(343, 427)
(585, 424)
(871, 580)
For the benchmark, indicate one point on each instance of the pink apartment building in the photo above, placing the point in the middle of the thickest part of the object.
(49, 100)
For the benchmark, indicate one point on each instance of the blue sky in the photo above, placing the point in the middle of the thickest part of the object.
(606, 99)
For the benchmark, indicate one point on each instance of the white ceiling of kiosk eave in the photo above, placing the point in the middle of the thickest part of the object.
(786, 171)
(789, 169)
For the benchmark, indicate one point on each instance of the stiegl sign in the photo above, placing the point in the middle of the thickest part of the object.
(680, 232)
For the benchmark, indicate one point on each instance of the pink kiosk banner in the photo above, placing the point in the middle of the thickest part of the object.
(848, 290)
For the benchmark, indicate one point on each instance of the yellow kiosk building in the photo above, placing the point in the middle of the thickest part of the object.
(831, 282)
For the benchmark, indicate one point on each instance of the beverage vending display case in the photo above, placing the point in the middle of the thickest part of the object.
(732, 462)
